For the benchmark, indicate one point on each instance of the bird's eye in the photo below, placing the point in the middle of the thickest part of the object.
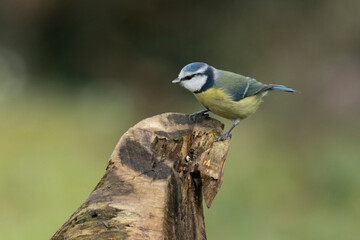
(190, 76)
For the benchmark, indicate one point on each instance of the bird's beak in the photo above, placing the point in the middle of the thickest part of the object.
(176, 80)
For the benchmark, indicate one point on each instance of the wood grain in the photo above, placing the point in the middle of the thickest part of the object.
(154, 183)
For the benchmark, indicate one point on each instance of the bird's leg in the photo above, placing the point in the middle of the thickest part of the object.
(202, 114)
(227, 134)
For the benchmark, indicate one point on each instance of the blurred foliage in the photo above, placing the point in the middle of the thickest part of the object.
(75, 75)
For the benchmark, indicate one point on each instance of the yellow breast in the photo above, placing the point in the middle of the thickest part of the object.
(221, 104)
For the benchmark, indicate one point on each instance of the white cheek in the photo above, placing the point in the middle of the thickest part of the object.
(195, 84)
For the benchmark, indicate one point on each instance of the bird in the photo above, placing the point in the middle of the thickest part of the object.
(227, 94)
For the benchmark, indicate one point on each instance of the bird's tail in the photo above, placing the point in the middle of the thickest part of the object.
(273, 87)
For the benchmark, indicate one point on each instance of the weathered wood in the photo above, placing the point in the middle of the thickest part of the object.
(153, 185)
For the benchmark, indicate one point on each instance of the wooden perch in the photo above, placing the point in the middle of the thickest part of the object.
(153, 185)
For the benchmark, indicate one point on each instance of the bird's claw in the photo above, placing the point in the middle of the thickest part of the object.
(223, 137)
(198, 115)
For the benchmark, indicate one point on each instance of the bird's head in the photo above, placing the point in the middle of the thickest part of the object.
(196, 77)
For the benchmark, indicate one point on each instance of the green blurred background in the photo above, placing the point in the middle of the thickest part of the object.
(75, 75)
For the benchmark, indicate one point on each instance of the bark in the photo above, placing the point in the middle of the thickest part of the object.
(154, 183)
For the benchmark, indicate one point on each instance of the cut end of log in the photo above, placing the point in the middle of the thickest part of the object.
(154, 182)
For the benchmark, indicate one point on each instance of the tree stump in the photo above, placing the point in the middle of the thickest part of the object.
(154, 182)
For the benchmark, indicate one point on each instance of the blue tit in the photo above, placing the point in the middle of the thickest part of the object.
(224, 93)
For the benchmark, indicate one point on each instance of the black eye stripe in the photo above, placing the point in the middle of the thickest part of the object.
(190, 76)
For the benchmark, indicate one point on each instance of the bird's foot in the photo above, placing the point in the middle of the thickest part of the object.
(201, 115)
(223, 137)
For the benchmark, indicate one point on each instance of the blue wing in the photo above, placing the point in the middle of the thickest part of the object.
(240, 87)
